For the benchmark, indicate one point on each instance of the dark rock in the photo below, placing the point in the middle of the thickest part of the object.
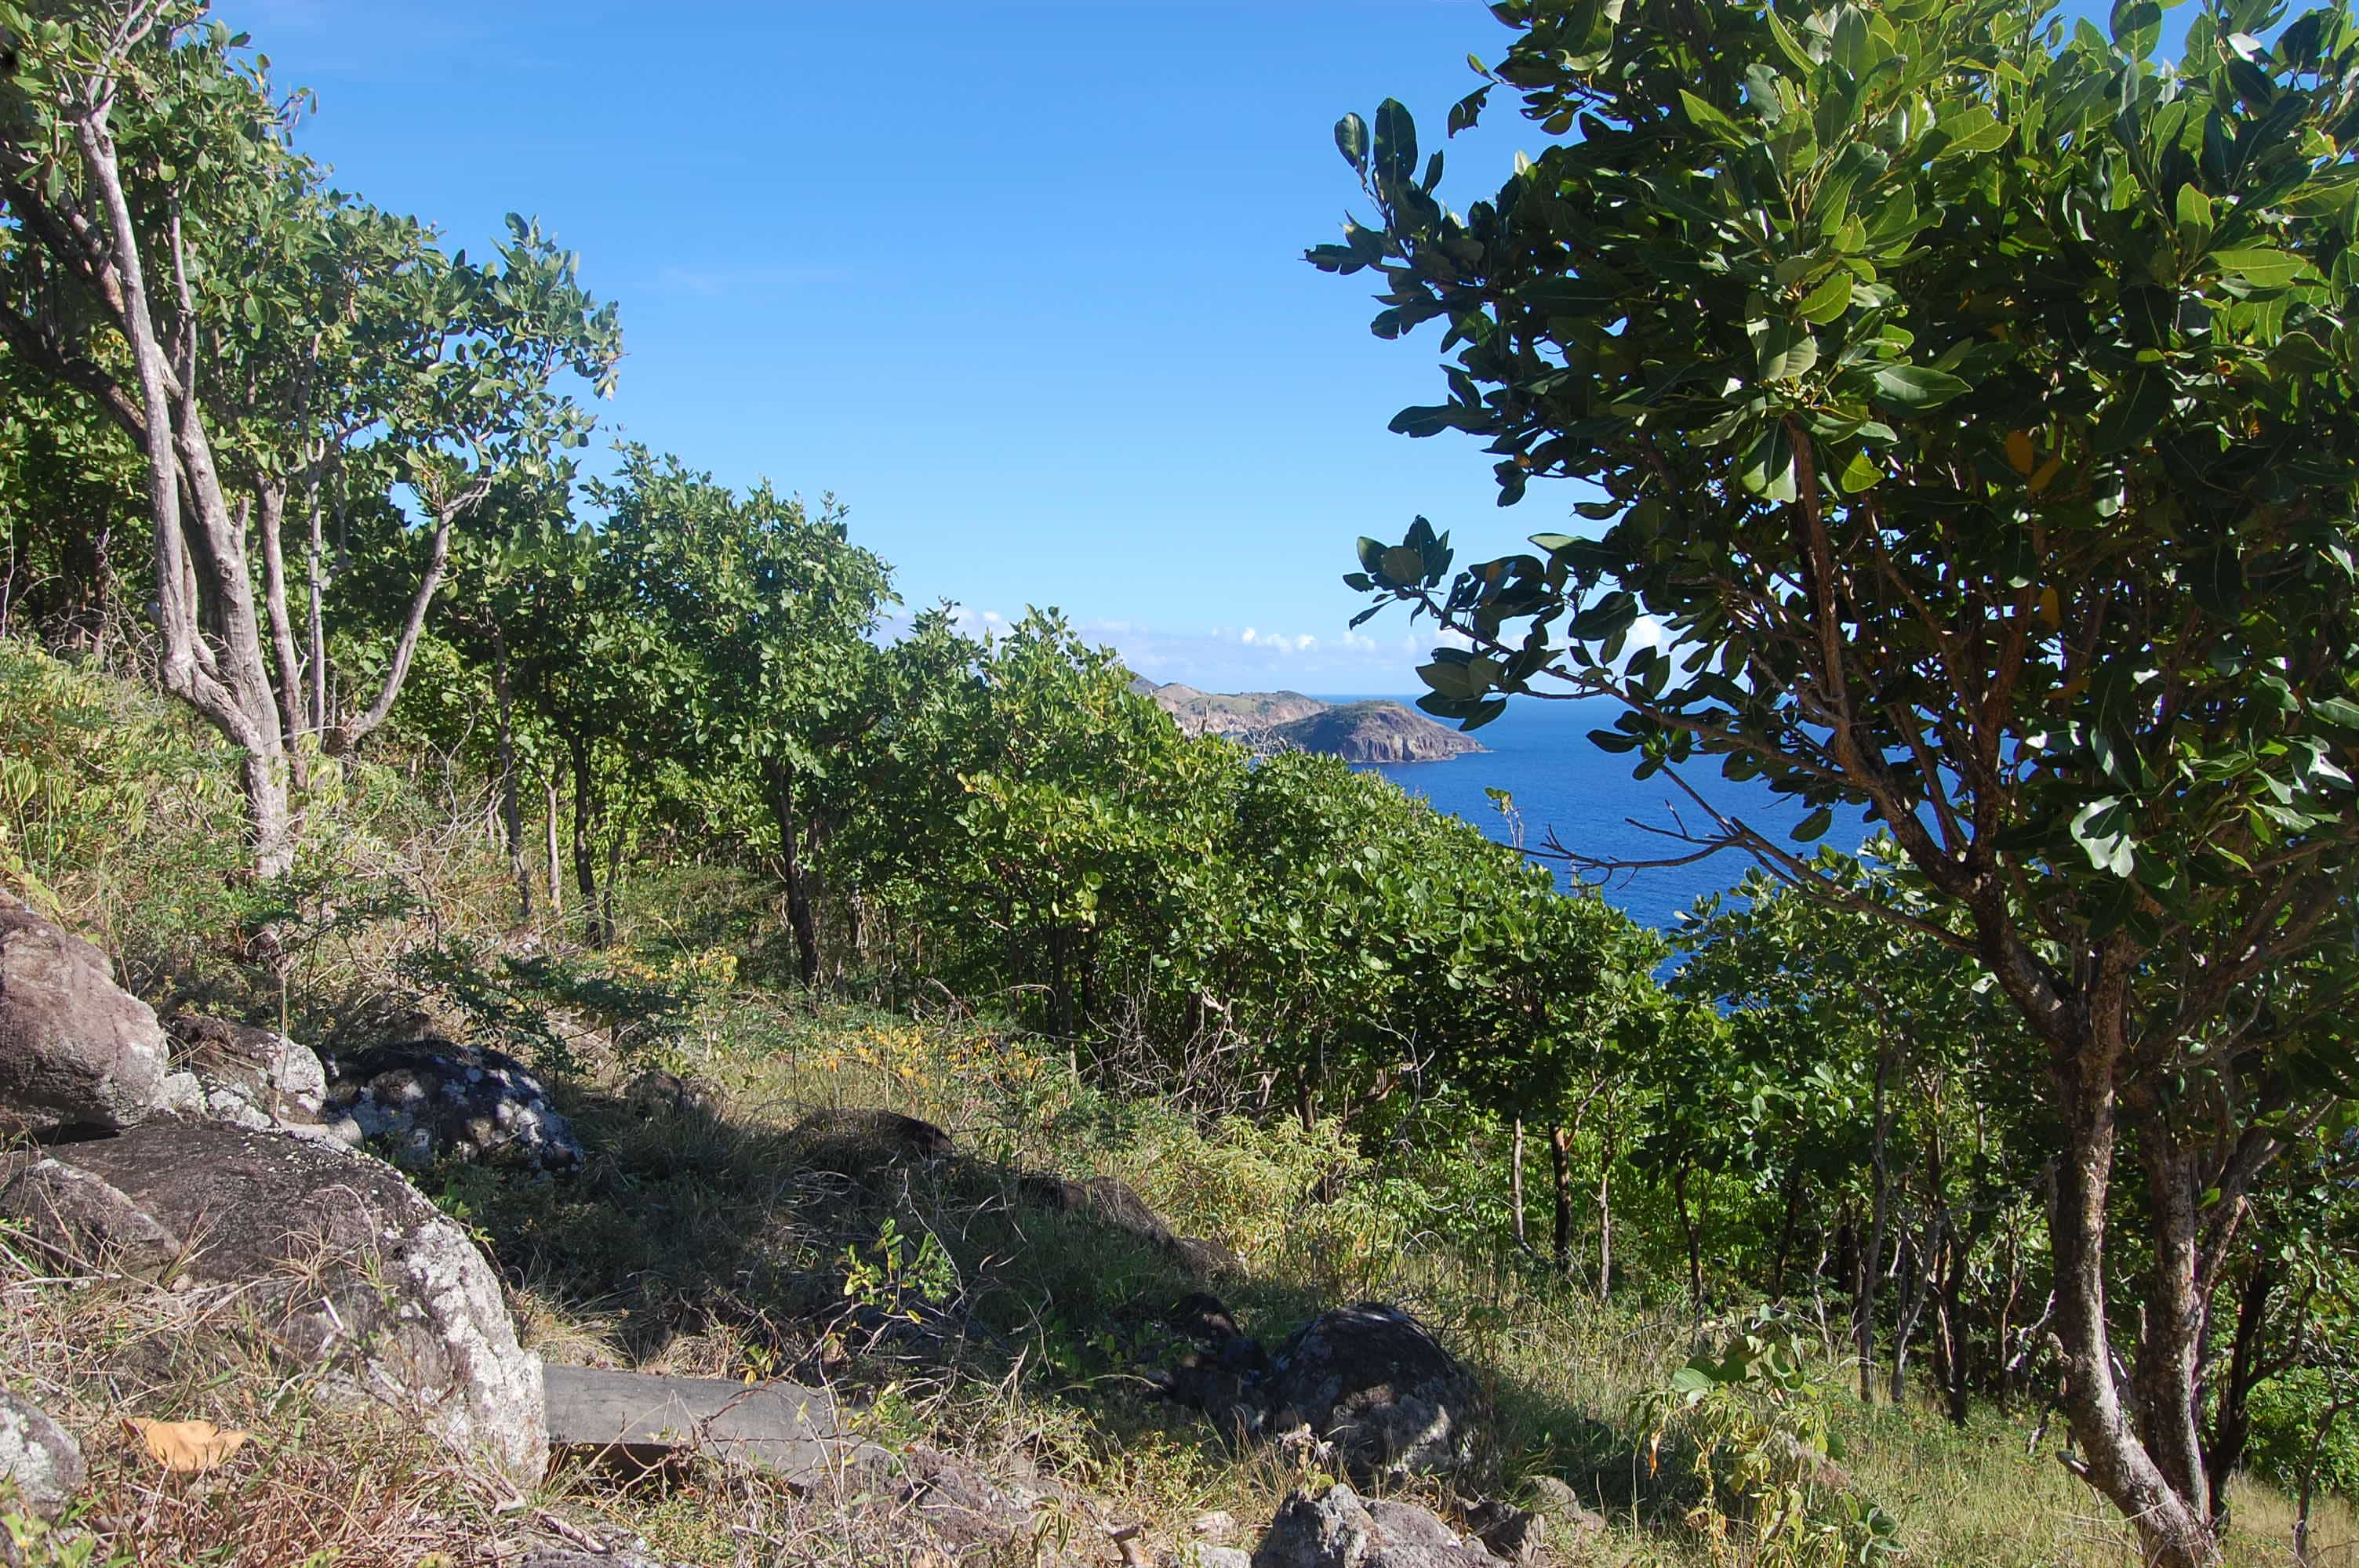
(84, 1222)
(234, 1072)
(76, 1049)
(859, 1141)
(1219, 1376)
(1341, 1530)
(1514, 1533)
(341, 1265)
(39, 1460)
(1370, 1379)
(426, 1100)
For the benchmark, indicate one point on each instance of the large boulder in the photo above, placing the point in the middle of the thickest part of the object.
(77, 1051)
(340, 1263)
(1374, 1382)
(234, 1072)
(428, 1100)
(1343, 1530)
(39, 1460)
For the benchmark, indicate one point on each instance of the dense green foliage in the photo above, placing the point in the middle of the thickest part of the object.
(1968, 398)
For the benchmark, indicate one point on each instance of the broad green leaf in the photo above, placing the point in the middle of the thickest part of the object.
(1915, 388)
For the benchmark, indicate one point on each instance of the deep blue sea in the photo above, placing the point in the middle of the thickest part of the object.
(1540, 752)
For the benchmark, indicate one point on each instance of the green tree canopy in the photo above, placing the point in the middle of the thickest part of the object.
(1968, 394)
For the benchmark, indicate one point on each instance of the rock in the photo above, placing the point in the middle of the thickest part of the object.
(1116, 1204)
(1371, 1379)
(1341, 1530)
(1575, 1520)
(977, 1517)
(1204, 1555)
(340, 1262)
(793, 1431)
(1219, 1527)
(76, 1050)
(39, 1460)
(622, 1553)
(858, 1141)
(84, 1222)
(1219, 1376)
(427, 1101)
(1508, 1531)
(656, 1093)
(244, 1074)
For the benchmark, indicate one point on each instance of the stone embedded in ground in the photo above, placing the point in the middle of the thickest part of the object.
(257, 1077)
(341, 1266)
(1371, 1379)
(39, 1460)
(428, 1100)
(794, 1432)
(1343, 1529)
(76, 1050)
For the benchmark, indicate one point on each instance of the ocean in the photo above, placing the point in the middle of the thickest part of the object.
(1539, 754)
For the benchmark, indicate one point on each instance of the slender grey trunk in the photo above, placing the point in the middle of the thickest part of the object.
(511, 809)
(1516, 1181)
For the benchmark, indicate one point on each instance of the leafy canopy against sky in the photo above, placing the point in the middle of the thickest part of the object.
(1021, 282)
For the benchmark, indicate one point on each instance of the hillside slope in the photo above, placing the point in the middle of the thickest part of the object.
(1372, 732)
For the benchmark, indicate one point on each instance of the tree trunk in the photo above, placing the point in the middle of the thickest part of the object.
(348, 734)
(1871, 1264)
(1516, 1182)
(2170, 1351)
(511, 809)
(779, 787)
(270, 511)
(1695, 1241)
(2172, 1533)
(1561, 1169)
(556, 875)
(1793, 1184)
(585, 855)
(2232, 1426)
(1605, 1217)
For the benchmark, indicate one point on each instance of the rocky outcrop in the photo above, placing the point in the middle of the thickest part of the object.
(39, 1461)
(1374, 1382)
(76, 1050)
(1371, 732)
(1343, 1530)
(1265, 721)
(423, 1101)
(234, 1072)
(1367, 1386)
(338, 1263)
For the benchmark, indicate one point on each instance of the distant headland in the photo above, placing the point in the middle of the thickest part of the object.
(1374, 731)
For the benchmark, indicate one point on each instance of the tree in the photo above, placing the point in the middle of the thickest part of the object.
(173, 256)
(772, 607)
(1968, 399)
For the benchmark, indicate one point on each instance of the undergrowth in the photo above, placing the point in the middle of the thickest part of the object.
(702, 1236)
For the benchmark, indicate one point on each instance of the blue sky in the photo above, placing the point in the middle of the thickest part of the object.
(1021, 282)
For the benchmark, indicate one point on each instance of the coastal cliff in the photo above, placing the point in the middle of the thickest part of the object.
(1374, 731)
